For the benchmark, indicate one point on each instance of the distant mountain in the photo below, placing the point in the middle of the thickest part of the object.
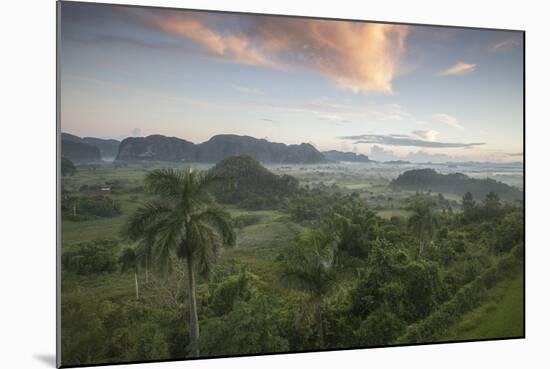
(334, 155)
(108, 148)
(246, 183)
(79, 152)
(456, 183)
(162, 148)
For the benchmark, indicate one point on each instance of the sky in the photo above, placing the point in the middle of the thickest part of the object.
(390, 91)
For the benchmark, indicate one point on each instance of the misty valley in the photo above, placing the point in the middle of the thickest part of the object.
(242, 246)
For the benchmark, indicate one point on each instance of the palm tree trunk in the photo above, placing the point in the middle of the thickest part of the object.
(321, 331)
(136, 284)
(146, 271)
(193, 317)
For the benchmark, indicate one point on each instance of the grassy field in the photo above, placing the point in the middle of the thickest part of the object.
(257, 248)
(501, 316)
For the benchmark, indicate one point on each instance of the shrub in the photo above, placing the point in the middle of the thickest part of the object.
(98, 256)
(381, 327)
(466, 299)
(246, 220)
(87, 208)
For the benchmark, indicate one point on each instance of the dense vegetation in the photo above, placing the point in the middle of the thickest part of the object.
(67, 167)
(273, 266)
(457, 183)
(245, 182)
(80, 208)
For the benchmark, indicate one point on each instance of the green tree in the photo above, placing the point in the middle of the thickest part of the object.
(423, 222)
(309, 266)
(492, 205)
(67, 167)
(93, 257)
(184, 221)
(468, 205)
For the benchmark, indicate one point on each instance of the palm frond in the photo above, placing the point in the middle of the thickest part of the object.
(127, 259)
(144, 219)
(220, 220)
(166, 182)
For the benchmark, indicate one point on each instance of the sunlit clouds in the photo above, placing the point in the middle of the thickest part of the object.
(406, 140)
(361, 57)
(418, 93)
(448, 120)
(428, 135)
(507, 43)
(458, 68)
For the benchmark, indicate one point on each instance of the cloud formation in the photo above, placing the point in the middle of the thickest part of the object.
(380, 154)
(428, 135)
(340, 110)
(458, 68)
(247, 89)
(406, 140)
(447, 119)
(357, 56)
(507, 43)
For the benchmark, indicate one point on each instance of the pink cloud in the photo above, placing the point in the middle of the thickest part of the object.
(362, 57)
(458, 68)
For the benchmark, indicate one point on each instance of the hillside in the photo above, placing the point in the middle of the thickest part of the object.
(162, 148)
(501, 316)
(79, 152)
(334, 155)
(456, 183)
(246, 183)
(108, 148)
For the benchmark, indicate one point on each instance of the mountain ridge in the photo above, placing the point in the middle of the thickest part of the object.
(335, 155)
(108, 148)
(217, 148)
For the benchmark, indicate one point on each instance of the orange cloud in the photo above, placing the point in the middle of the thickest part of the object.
(235, 47)
(458, 68)
(356, 56)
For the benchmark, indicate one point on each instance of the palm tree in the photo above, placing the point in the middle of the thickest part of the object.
(183, 220)
(423, 222)
(144, 252)
(309, 266)
(129, 260)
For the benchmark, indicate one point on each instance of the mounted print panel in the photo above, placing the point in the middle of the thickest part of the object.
(244, 184)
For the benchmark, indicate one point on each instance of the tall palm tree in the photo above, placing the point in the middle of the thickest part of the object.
(423, 222)
(183, 220)
(144, 253)
(309, 266)
(129, 260)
